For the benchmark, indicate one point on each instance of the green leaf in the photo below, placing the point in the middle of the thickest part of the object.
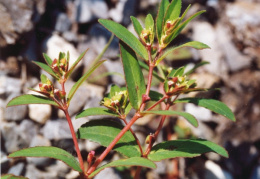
(211, 104)
(155, 96)
(114, 89)
(11, 176)
(46, 68)
(184, 148)
(190, 118)
(196, 66)
(183, 25)
(104, 132)
(133, 76)
(137, 26)
(173, 10)
(134, 161)
(128, 108)
(95, 112)
(160, 18)
(149, 22)
(75, 64)
(193, 44)
(144, 66)
(49, 152)
(44, 79)
(47, 59)
(30, 99)
(82, 79)
(127, 37)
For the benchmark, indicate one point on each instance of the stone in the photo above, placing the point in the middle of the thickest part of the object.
(84, 13)
(256, 172)
(204, 32)
(198, 112)
(32, 171)
(54, 44)
(234, 58)
(17, 17)
(214, 171)
(63, 23)
(108, 173)
(72, 174)
(15, 113)
(10, 85)
(56, 130)
(4, 162)
(243, 17)
(161, 167)
(117, 13)
(17, 169)
(99, 9)
(116, 66)
(60, 168)
(91, 145)
(39, 140)
(39, 113)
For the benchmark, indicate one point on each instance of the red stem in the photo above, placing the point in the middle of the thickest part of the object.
(136, 139)
(138, 172)
(113, 143)
(74, 139)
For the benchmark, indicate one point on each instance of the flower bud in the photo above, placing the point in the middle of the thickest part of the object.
(91, 155)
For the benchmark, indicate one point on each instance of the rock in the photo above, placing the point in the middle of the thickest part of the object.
(39, 140)
(32, 171)
(161, 167)
(198, 112)
(9, 85)
(117, 13)
(56, 130)
(12, 66)
(243, 17)
(99, 38)
(5, 162)
(84, 13)
(91, 145)
(63, 23)
(17, 18)
(129, 10)
(72, 174)
(60, 168)
(256, 172)
(55, 44)
(108, 173)
(99, 9)
(213, 171)
(235, 60)
(39, 113)
(116, 66)
(17, 169)
(15, 113)
(204, 32)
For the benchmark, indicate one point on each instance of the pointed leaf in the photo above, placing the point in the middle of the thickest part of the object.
(133, 76)
(134, 161)
(193, 44)
(127, 37)
(173, 10)
(49, 152)
(82, 79)
(149, 22)
(114, 89)
(96, 112)
(30, 99)
(11, 176)
(47, 59)
(184, 148)
(155, 96)
(104, 131)
(183, 25)
(160, 18)
(46, 68)
(190, 118)
(211, 104)
(137, 26)
(75, 64)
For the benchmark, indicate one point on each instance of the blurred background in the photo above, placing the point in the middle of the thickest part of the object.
(231, 28)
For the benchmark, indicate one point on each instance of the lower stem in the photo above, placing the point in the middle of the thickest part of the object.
(74, 140)
(138, 172)
(113, 143)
